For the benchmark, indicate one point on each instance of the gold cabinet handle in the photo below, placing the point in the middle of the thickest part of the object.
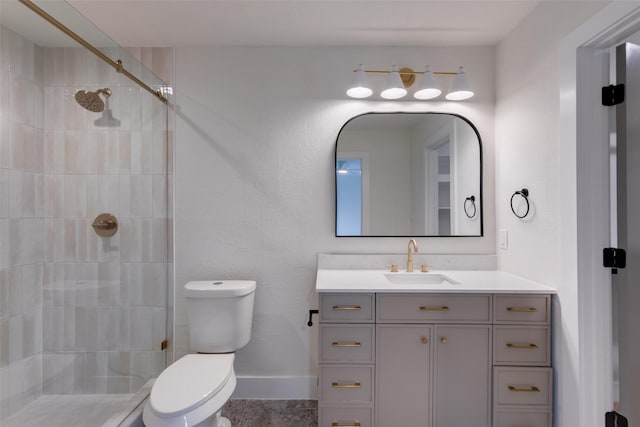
(346, 307)
(346, 344)
(425, 340)
(522, 309)
(444, 340)
(523, 346)
(354, 424)
(441, 308)
(336, 384)
(532, 389)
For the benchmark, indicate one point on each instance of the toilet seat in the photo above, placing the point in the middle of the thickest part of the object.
(192, 389)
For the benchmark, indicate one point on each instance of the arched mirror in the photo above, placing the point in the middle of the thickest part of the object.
(408, 174)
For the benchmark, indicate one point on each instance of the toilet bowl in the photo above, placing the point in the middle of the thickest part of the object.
(193, 390)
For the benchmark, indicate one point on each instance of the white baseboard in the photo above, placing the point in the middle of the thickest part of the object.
(276, 388)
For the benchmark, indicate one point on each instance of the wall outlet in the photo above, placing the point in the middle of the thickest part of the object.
(503, 240)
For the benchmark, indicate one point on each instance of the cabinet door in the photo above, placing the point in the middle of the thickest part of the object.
(462, 376)
(403, 380)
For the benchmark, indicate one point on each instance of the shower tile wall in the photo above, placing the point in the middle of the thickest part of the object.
(78, 313)
(104, 299)
(21, 221)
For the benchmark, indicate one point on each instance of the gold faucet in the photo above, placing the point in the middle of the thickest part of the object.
(413, 247)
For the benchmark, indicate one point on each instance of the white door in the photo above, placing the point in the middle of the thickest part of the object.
(626, 284)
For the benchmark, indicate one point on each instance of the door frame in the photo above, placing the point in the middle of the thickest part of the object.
(583, 347)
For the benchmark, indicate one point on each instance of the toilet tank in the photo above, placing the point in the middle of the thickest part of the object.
(220, 313)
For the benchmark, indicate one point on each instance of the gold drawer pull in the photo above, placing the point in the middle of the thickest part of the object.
(441, 308)
(532, 389)
(522, 309)
(523, 346)
(347, 344)
(425, 340)
(346, 307)
(338, 385)
(354, 424)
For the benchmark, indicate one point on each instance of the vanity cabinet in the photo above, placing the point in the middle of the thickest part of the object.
(347, 360)
(438, 372)
(434, 360)
(522, 375)
(403, 373)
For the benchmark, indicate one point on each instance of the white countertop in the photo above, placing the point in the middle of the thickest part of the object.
(468, 281)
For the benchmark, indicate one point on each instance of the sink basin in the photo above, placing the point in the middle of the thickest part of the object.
(420, 279)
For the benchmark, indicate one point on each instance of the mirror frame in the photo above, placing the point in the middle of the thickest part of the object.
(481, 182)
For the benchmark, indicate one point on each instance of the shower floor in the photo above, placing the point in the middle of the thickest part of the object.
(68, 410)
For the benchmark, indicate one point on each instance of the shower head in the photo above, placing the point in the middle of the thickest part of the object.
(91, 100)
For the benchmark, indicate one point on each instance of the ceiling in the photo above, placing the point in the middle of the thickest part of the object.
(305, 22)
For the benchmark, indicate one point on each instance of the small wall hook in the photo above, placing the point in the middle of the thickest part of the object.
(524, 193)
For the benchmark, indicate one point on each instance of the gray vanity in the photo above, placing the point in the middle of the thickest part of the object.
(469, 348)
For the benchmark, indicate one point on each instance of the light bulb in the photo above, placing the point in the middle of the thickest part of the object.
(428, 87)
(394, 88)
(360, 87)
(460, 88)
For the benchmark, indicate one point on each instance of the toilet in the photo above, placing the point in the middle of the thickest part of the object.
(192, 391)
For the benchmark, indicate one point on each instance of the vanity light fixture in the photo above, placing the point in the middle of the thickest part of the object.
(428, 87)
(460, 87)
(394, 88)
(360, 87)
(399, 80)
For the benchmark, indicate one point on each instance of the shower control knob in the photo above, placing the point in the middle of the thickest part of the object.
(105, 225)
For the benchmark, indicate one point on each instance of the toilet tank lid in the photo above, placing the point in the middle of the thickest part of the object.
(219, 288)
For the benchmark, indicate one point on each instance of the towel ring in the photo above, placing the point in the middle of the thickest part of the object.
(467, 207)
(524, 193)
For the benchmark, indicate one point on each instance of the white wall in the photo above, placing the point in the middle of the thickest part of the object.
(255, 140)
(528, 150)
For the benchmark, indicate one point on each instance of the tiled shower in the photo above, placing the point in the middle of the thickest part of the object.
(79, 313)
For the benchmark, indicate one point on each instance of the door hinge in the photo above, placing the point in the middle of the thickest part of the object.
(614, 419)
(612, 95)
(164, 345)
(614, 258)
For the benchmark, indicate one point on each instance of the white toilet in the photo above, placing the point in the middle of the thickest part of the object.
(192, 391)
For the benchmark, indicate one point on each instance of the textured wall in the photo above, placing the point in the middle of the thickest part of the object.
(255, 140)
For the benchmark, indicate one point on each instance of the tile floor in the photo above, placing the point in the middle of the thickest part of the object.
(276, 413)
(94, 410)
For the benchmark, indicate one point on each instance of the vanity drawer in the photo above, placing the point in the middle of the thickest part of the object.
(347, 343)
(340, 308)
(521, 345)
(347, 383)
(522, 386)
(426, 308)
(348, 416)
(523, 417)
(521, 308)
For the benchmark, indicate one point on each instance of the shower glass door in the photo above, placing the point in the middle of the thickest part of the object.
(79, 313)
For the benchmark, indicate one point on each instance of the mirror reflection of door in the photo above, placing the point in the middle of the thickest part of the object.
(352, 184)
(438, 204)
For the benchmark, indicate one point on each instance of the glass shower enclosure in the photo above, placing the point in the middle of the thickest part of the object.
(83, 317)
